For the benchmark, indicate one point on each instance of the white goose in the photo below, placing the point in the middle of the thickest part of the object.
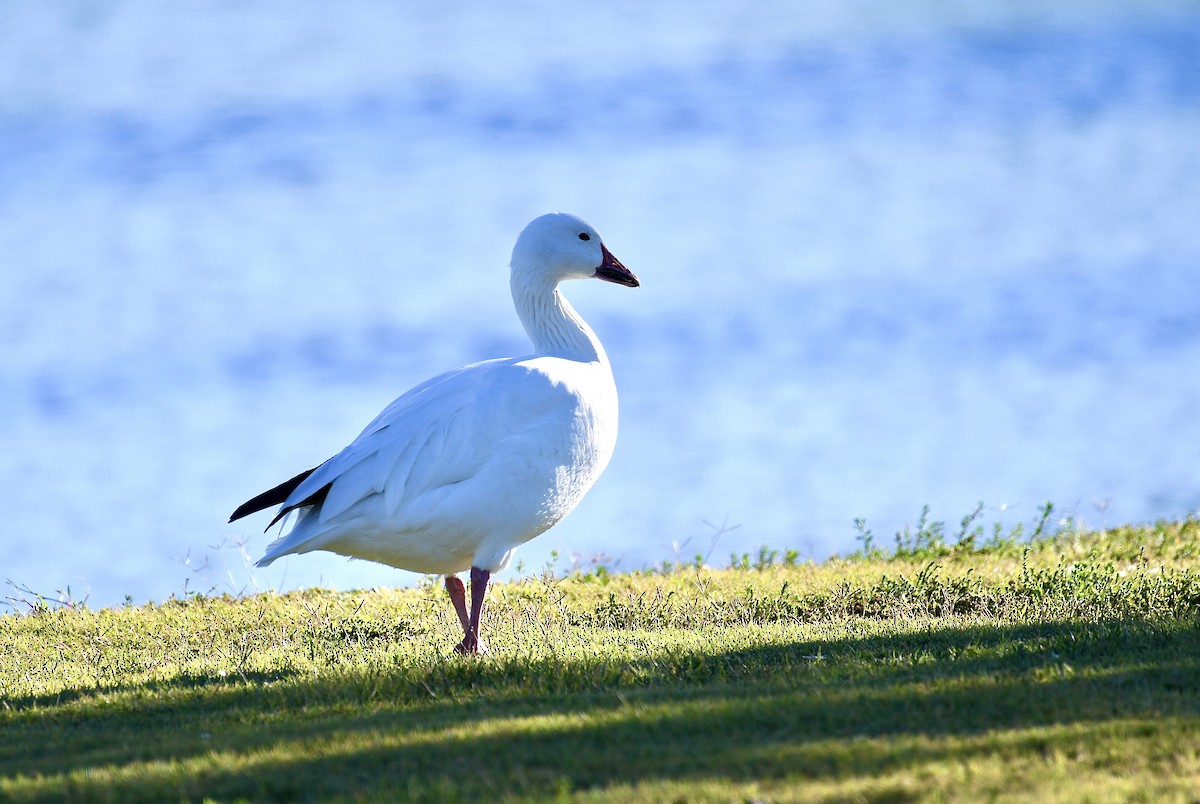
(467, 466)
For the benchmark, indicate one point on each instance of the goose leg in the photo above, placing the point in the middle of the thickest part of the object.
(458, 596)
(471, 642)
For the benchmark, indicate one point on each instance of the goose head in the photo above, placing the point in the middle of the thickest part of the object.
(558, 246)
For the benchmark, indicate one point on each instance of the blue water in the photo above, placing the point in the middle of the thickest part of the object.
(889, 259)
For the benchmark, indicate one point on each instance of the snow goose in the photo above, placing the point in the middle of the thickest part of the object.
(467, 466)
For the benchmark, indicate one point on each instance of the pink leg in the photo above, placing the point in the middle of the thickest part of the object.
(458, 596)
(471, 642)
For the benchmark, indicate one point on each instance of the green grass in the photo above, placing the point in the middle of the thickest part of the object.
(1050, 667)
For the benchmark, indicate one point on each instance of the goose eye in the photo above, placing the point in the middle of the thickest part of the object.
(584, 236)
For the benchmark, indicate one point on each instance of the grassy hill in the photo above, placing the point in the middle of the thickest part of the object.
(1049, 667)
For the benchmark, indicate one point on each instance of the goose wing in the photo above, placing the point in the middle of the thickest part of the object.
(440, 433)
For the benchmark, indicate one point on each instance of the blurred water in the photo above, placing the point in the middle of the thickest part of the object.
(890, 258)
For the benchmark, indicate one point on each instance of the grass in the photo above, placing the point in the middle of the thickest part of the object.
(1003, 666)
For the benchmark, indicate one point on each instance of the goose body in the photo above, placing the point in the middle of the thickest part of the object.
(462, 469)
(458, 472)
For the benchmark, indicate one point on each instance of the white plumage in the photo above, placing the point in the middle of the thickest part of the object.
(462, 469)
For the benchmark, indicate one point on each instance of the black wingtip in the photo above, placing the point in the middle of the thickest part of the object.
(312, 500)
(270, 497)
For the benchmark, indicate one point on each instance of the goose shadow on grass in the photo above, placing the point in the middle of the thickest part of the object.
(799, 710)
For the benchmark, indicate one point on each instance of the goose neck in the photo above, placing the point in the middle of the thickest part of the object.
(552, 323)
